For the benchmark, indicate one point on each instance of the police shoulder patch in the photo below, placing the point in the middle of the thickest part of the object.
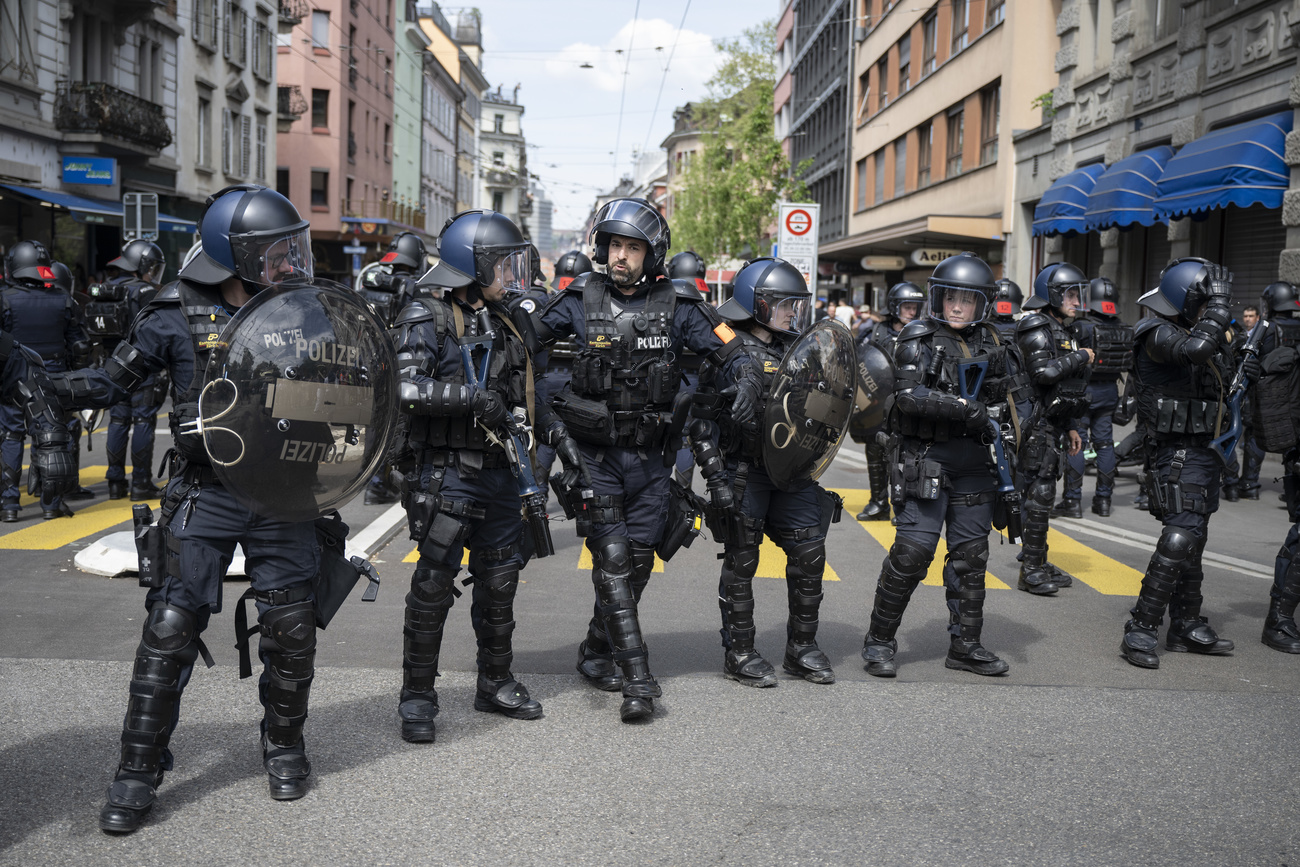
(529, 304)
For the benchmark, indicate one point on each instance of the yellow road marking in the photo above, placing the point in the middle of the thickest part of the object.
(48, 535)
(1102, 573)
(415, 555)
(585, 564)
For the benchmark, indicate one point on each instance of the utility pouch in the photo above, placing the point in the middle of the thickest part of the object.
(150, 546)
(592, 375)
(921, 477)
(338, 573)
(587, 420)
(661, 382)
(684, 509)
(420, 507)
(446, 531)
(832, 509)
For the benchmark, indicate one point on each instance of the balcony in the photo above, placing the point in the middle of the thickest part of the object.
(100, 109)
(376, 209)
(291, 105)
(292, 12)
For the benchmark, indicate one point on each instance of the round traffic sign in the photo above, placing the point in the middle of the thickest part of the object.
(798, 222)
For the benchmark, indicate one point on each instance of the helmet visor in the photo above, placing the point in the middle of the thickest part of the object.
(1074, 298)
(956, 307)
(791, 314)
(513, 271)
(268, 258)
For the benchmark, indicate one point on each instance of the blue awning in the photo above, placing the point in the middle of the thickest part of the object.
(1062, 206)
(1238, 165)
(1123, 195)
(99, 210)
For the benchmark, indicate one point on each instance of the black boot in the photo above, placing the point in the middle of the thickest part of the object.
(288, 652)
(62, 510)
(1069, 507)
(1189, 632)
(432, 593)
(492, 612)
(1036, 576)
(9, 512)
(1101, 506)
(612, 574)
(117, 490)
(877, 508)
(1231, 493)
(594, 661)
(167, 649)
(1173, 552)
(805, 562)
(1280, 630)
(963, 580)
(904, 568)
(740, 661)
(144, 491)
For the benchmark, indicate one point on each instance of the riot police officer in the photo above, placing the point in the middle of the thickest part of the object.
(253, 238)
(464, 492)
(769, 306)
(904, 303)
(109, 314)
(570, 265)
(1007, 300)
(1059, 372)
(44, 319)
(1181, 365)
(943, 420)
(630, 325)
(687, 265)
(1101, 331)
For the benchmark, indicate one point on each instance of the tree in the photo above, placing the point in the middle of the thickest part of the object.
(730, 189)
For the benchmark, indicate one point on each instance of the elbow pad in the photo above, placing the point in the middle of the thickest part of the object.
(126, 366)
(705, 449)
(434, 398)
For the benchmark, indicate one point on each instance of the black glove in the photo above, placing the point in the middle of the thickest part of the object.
(1251, 367)
(1220, 283)
(720, 494)
(566, 448)
(53, 470)
(976, 416)
(488, 408)
(745, 395)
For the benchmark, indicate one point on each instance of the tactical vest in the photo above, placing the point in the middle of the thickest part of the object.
(206, 318)
(1177, 401)
(108, 313)
(765, 360)
(885, 337)
(1286, 332)
(38, 319)
(507, 376)
(1113, 346)
(387, 302)
(627, 363)
(1067, 399)
(980, 345)
(1006, 329)
(1274, 403)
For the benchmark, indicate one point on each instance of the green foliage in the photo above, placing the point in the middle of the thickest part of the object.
(730, 189)
(1044, 101)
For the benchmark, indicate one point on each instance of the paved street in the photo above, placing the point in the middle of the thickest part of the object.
(1074, 757)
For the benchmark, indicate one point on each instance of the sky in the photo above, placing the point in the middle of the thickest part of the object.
(579, 144)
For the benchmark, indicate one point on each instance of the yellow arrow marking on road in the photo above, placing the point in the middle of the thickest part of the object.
(855, 499)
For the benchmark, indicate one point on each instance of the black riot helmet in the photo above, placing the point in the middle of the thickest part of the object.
(1007, 299)
(253, 233)
(571, 264)
(28, 263)
(1103, 297)
(142, 258)
(1184, 287)
(904, 293)
(688, 265)
(1052, 284)
(407, 254)
(62, 279)
(632, 218)
(772, 293)
(474, 248)
(964, 277)
(1280, 297)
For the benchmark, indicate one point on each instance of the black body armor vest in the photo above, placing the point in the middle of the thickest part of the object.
(108, 313)
(628, 363)
(388, 301)
(39, 319)
(979, 344)
(1113, 344)
(206, 318)
(1286, 332)
(1177, 401)
(885, 337)
(765, 359)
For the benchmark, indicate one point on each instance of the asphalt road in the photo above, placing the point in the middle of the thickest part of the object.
(1074, 757)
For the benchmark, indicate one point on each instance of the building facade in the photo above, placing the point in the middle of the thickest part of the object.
(1145, 87)
(937, 92)
(503, 158)
(443, 97)
(469, 36)
(409, 75)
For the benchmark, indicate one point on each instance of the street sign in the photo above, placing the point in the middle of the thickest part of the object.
(90, 170)
(140, 216)
(883, 263)
(355, 250)
(797, 237)
(930, 256)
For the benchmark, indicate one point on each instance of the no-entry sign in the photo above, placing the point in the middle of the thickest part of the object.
(797, 238)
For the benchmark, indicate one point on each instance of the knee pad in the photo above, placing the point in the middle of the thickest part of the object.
(499, 583)
(974, 554)
(291, 627)
(1041, 491)
(1176, 544)
(909, 558)
(808, 556)
(431, 589)
(612, 554)
(743, 562)
(169, 630)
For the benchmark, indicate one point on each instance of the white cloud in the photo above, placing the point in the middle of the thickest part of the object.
(651, 43)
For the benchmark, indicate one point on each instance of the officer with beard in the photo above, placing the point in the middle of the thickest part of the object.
(464, 492)
(253, 238)
(769, 307)
(904, 303)
(1182, 363)
(1059, 371)
(943, 474)
(630, 326)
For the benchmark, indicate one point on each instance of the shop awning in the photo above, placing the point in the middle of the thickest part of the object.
(1239, 165)
(1062, 207)
(1124, 193)
(100, 210)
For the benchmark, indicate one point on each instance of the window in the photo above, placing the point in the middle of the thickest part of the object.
(498, 121)
(388, 143)
(956, 140)
(320, 109)
(225, 140)
(960, 25)
(864, 91)
(320, 30)
(924, 150)
(245, 145)
(235, 28)
(1166, 16)
(320, 188)
(904, 64)
(880, 176)
(929, 43)
(204, 132)
(882, 82)
(259, 173)
(498, 202)
(282, 180)
(861, 180)
(262, 51)
(994, 12)
(900, 167)
(990, 108)
(207, 22)
(498, 158)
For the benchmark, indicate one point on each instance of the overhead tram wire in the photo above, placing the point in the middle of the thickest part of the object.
(618, 135)
(664, 79)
